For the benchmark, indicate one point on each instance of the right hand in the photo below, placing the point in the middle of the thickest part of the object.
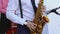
(32, 26)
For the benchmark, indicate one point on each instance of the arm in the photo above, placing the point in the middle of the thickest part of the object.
(12, 6)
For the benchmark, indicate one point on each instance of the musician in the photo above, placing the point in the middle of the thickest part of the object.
(4, 22)
(25, 18)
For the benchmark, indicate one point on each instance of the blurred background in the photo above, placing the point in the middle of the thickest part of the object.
(54, 23)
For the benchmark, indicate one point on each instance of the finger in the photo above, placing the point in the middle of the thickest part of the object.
(34, 24)
(31, 29)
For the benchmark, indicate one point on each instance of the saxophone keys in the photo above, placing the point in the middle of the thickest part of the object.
(39, 26)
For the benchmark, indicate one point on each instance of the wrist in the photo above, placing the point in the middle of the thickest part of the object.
(26, 22)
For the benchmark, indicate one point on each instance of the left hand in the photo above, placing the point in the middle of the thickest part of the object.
(43, 8)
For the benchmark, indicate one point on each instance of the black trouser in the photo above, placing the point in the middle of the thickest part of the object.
(4, 23)
(22, 29)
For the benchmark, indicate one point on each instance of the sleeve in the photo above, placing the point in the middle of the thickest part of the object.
(12, 6)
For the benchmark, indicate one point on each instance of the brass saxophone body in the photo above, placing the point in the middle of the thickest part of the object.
(40, 20)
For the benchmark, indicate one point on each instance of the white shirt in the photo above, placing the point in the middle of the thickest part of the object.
(13, 11)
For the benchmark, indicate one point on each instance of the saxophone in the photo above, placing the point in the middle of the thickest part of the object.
(40, 20)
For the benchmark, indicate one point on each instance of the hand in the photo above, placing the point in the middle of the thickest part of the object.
(31, 26)
(43, 8)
